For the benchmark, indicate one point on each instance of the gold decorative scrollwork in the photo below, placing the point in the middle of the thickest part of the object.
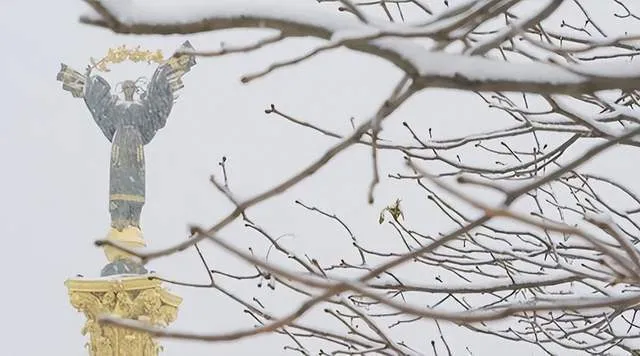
(135, 298)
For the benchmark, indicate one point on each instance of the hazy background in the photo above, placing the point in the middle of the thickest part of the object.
(54, 176)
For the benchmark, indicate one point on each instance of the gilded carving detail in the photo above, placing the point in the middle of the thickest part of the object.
(135, 298)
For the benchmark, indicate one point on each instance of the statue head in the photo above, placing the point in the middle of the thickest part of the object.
(131, 87)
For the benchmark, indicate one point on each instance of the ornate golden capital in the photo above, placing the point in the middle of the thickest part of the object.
(135, 298)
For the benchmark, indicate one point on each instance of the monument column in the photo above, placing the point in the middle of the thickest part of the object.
(124, 288)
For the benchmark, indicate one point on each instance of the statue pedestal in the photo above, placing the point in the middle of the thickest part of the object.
(132, 297)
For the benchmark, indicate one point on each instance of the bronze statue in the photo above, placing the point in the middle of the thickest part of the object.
(129, 123)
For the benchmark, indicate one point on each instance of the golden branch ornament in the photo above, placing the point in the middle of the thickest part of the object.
(122, 53)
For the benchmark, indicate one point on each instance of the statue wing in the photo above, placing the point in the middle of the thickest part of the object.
(157, 103)
(101, 104)
(72, 81)
(96, 93)
(179, 66)
(160, 95)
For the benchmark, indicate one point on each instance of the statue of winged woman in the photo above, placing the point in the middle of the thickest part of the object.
(129, 122)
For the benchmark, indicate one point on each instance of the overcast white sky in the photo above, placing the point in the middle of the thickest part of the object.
(54, 180)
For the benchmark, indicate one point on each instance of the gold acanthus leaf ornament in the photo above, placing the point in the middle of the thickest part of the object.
(136, 298)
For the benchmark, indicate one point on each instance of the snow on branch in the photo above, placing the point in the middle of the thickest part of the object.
(392, 42)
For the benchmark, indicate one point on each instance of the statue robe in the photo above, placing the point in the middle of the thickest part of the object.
(129, 125)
